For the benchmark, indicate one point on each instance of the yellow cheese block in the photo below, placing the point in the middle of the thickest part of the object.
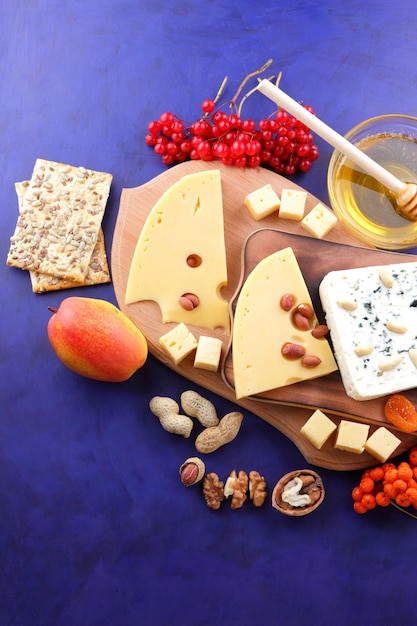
(178, 343)
(207, 356)
(382, 443)
(351, 436)
(318, 429)
(181, 250)
(320, 221)
(261, 328)
(262, 202)
(293, 203)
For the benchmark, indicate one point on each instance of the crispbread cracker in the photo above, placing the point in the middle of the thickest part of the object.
(97, 273)
(61, 213)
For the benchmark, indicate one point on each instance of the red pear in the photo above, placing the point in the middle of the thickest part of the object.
(96, 339)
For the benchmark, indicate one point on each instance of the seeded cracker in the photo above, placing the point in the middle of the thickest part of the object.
(59, 222)
(98, 270)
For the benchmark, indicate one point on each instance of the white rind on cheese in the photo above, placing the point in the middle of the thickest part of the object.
(187, 221)
(261, 327)
(375, 337)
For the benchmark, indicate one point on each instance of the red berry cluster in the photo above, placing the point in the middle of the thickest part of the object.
(280, 142)
(388, 484)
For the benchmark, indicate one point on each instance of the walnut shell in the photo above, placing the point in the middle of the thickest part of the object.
(312, 485)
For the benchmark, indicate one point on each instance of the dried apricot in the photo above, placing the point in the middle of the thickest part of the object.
(401, 412)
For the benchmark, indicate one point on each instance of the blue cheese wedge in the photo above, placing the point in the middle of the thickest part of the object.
(372, 316)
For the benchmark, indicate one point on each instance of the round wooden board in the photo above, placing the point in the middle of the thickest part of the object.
(135, 205)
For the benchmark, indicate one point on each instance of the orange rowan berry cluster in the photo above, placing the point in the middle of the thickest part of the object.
(388, 484)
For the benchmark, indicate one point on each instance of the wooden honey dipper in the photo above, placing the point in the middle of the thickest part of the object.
(405, 193)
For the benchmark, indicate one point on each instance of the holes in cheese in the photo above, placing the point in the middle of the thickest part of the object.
(178, 343)
(194, 260)
(262, 327)
(181, 250)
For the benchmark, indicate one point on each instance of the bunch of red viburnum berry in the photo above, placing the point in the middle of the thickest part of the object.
(388, 484)
(279, 142)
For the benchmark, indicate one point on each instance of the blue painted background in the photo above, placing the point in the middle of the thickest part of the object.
(95, 529)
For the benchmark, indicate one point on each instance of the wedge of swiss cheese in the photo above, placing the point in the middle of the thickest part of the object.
(186, 223)
(261, 327)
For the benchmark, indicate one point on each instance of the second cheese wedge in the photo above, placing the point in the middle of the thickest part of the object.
(262, 327)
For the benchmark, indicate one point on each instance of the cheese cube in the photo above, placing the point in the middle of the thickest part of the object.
(293, 203)
(208, 353)
(178, 342)
(262, 202)
(318, 429)
(382, 443)
(319, 221)
(351, 436)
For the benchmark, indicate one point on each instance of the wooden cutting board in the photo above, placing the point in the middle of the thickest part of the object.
(247, 241)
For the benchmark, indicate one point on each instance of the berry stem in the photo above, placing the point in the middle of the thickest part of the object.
(221, 89)
(400, 508)
(248, 77)
(246, 96)
(251, 91)
(278, 80)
